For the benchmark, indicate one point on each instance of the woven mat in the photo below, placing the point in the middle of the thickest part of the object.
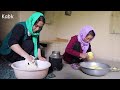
(6, 71)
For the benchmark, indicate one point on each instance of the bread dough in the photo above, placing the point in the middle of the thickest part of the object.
(95, 67)
(30, 65)
(90, 54)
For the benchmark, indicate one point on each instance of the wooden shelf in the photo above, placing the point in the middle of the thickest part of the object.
(57, 40)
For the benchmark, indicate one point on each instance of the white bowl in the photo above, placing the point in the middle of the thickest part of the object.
(21, 72)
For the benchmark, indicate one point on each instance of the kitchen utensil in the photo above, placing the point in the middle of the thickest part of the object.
(105, 68)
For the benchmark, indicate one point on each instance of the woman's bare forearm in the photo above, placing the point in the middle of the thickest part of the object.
(17, 48)
(39, 52)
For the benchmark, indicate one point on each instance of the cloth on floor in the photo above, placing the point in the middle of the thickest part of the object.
(75, 66)
(50, 75)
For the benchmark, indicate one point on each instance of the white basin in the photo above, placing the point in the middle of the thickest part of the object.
(21, 72)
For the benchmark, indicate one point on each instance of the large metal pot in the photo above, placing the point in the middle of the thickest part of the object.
(105, 68)
(56, 55)
(56, 61)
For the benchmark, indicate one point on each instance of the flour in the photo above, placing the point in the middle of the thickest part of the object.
(30, 65)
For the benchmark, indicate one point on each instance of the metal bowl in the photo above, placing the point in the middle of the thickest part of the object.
(85, 67)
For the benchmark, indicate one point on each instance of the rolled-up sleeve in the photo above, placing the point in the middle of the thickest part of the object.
(16, 35)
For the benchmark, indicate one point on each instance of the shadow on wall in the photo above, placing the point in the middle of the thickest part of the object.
(7, 20)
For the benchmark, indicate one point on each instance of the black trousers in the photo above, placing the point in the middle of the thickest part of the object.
(27, 46)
